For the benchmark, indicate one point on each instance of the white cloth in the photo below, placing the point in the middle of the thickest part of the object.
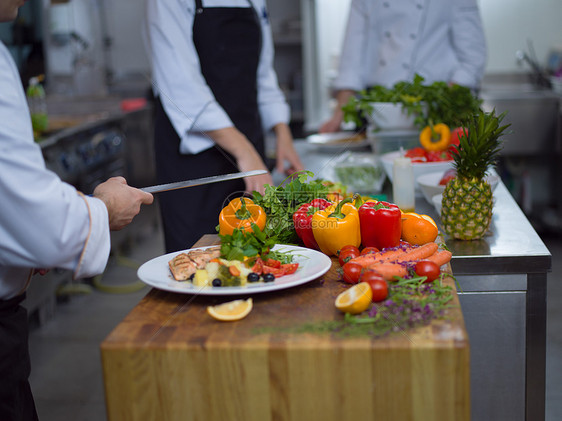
(177, 79)
(388, 41)
(44, 222)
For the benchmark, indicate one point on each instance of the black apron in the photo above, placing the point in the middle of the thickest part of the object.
(228, 41)
(16, 400)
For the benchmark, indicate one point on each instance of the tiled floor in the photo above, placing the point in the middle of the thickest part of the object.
(66, 369)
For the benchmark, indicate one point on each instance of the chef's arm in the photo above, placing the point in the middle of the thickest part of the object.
(334, 123)
(247, 157)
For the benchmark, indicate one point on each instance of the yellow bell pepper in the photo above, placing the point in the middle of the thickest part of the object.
(241, 213)
(337, 226)
(429, 133)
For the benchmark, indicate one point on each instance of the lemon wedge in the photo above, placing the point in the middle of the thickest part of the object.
(356, 299)
(231, 311)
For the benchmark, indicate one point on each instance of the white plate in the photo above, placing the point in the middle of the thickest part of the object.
(312, 265)
(338, 140)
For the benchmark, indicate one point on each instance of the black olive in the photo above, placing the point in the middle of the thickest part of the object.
(192, 276)
(217, 282)
(268, 277)
(253, 277)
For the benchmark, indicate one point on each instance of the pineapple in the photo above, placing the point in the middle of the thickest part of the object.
(466, 208)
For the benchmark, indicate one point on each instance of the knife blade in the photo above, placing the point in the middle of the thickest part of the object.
(199, 181)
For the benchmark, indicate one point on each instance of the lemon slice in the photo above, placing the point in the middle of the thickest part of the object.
(356, 299)
(232, 310)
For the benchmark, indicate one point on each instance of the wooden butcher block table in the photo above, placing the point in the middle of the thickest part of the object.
(169, 360)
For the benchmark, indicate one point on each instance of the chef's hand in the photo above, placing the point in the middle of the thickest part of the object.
(285, 151)
(247, 158)
(334, 123)
(123, 202)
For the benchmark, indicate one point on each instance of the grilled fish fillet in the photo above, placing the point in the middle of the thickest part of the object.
(184, 265)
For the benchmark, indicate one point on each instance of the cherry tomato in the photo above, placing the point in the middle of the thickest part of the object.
(348, 254)
(352, 272)
(437, 156)
(449, 175)
(289, 268)
(427, 268)
(348, 247)
(369, 250)
(417, 152)
(377, 283)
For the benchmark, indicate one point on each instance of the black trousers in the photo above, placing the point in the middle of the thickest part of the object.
(16, 400)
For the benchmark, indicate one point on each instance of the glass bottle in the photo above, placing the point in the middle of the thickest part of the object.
(37, 103)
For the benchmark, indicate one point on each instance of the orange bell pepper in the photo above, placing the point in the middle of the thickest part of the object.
(241, 213)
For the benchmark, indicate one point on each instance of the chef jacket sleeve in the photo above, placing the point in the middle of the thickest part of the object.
(469, 42)
(177, 79)
(44, 223)
(271, 100)
(354, 51)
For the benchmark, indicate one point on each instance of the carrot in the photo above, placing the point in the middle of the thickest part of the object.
(384, 255)
(419, 253)
(440, 257)
(389, 270)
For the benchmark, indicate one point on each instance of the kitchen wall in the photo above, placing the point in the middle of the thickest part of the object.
(510, 24)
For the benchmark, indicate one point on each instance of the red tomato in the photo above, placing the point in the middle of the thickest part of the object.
(276, 271)
(417, 152)
(348, 247)
(437, 156)
(258, 266)
(427, 268)
(377, 283)
(289, 268)
(448, 176)
(455, 134)
(352, 272)
(369, 250)
(348, 254)
(273, 263)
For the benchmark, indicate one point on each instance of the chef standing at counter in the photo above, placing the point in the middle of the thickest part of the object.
(217, 92)
(390, 41)
(44, 223)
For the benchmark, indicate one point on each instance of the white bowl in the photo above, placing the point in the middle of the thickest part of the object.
(429, 184)
(420, 168)
(389, 116)
(430, 187)
(436, 200)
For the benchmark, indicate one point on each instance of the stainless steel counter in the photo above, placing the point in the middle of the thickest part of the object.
(503, 298)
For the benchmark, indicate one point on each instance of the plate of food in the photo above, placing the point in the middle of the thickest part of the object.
(193, 271)
(339, 140)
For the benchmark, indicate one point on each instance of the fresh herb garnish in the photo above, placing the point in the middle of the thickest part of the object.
(411, 303)
(282, 201)
(243, 244)
(438, 102)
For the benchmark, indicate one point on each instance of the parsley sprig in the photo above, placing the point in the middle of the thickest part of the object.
(282, 201)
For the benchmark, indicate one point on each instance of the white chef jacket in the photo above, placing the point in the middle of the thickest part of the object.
(177, 79)
(44, 222)
(388, 41)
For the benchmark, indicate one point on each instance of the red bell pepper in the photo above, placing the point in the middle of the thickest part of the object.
(380, 224)
(302, 220)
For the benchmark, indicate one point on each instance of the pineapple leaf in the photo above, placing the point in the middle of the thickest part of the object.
(480, 145)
